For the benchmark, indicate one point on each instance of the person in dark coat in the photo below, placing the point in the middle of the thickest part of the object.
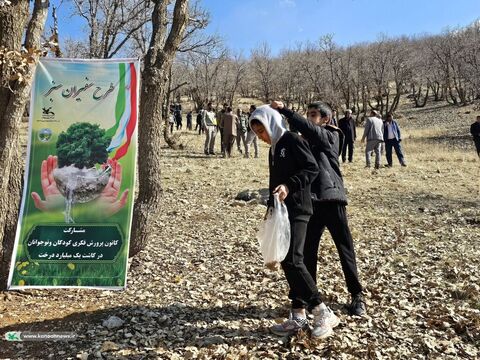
(178, 118)
(292, 170)
(475, 131)
(198, 125)
(329, 198)
(392, 138)
(189, 120)
(348, 127)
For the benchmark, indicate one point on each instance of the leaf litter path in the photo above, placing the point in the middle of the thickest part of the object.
(200, 291)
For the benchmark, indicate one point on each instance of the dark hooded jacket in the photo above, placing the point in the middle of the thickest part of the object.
(325, 143)
(290, 162)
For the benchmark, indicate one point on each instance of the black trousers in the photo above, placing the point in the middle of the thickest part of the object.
(333, 216)
(476, 139)
(222, 148)
(350, 144)
(303, 290)
(199, 127)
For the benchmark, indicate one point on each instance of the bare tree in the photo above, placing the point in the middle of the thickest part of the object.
(263, 65)
(112, 23)
(14, 91)
(420, 81)
(164, 44)
(194, 39)
(238, 69)
(204, 70)
(314, 67)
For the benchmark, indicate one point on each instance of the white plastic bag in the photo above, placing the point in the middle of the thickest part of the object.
(274, 234)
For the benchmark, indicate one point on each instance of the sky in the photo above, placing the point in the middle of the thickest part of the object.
(244, 24)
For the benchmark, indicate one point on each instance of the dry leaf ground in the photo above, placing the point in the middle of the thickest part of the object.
(200, 289)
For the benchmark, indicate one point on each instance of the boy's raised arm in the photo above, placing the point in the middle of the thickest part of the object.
(314, 134)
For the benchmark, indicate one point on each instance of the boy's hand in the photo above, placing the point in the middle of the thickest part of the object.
(266, 213)
(277, 105)
(282, 191)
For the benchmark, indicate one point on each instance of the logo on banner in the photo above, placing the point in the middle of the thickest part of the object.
(47, 113)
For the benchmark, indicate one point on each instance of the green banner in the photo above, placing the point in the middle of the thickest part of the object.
(76, 211)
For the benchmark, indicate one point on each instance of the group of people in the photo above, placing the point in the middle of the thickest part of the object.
(377, 133)
(233, 128)
(305, 173)
(176, 119)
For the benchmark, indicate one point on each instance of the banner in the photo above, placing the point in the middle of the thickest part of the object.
(76, 211)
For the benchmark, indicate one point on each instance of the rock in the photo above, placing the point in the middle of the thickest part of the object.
(151, 314)
(82, 356)
(109, 346)
(212, 340)
(113, 322)
(260, 196)
(245, 195)
(84, 184)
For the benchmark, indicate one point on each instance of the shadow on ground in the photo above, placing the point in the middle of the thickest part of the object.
(168, 327)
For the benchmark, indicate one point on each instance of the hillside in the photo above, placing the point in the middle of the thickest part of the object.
(200, 290)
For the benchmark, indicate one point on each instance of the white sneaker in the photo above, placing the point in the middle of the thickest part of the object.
(289, 327)
(324, 320)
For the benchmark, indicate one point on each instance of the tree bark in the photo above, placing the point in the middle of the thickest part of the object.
(12, 104)
(158, 62)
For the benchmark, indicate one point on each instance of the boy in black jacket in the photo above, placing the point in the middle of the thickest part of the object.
(329, 201)
(292, 169)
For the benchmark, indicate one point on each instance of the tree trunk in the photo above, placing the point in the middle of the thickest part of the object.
(13, 19)
(417, 96)
(158, 62)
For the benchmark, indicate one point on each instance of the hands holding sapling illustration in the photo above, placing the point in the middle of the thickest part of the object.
(54, 200)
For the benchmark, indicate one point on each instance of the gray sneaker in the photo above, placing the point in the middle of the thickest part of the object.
(324, 320)
(290, 326)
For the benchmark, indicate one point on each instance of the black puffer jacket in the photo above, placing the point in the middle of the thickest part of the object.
(326, 144)
(294, 165)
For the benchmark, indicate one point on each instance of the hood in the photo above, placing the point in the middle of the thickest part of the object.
(272, 120)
